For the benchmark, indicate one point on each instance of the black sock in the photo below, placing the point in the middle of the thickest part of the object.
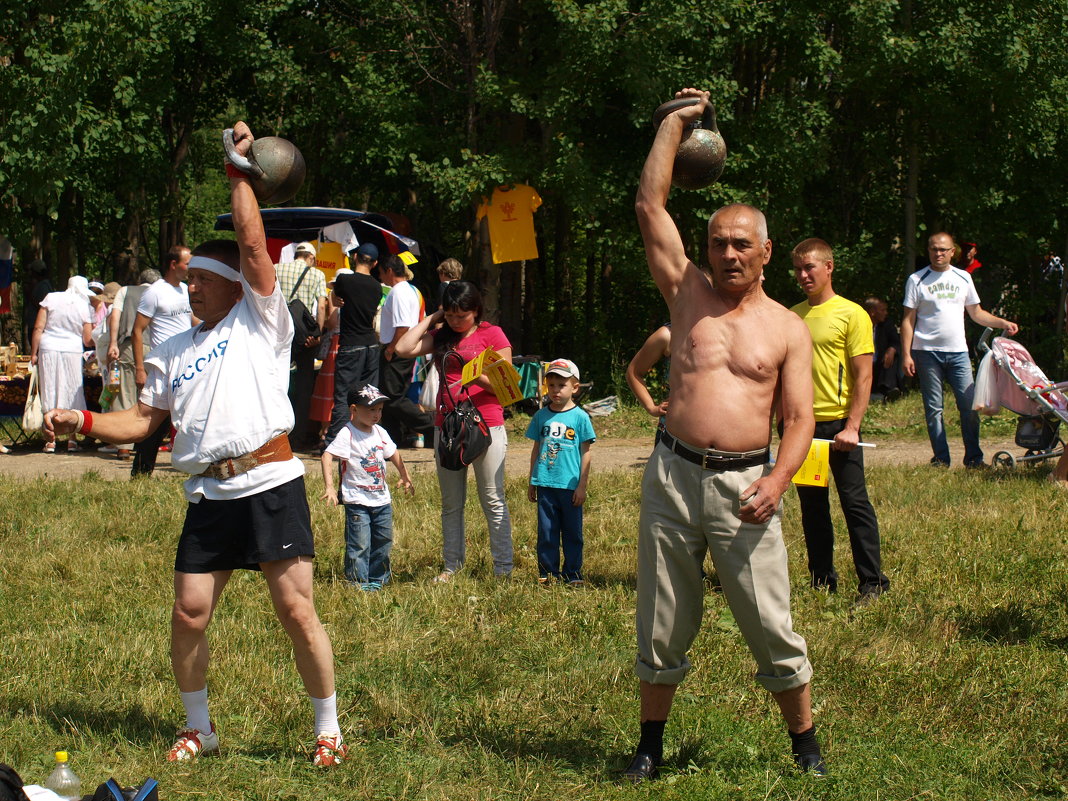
(805, 743)
(652, 741)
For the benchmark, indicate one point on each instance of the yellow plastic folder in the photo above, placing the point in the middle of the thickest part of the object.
(504, 378)
(815, 471)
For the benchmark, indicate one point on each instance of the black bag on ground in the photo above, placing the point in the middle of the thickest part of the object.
(11, 785)
(464, 435)
(304, 323)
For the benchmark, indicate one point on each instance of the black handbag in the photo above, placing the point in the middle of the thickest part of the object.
(304, 323)
(464, 435)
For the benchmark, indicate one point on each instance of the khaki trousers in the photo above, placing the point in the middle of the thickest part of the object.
(687, 511)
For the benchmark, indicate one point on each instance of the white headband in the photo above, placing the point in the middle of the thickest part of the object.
(214, 266)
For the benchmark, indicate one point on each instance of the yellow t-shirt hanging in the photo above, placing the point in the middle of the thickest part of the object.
(510, 213)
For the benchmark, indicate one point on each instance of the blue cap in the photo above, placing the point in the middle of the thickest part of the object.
(368, 251)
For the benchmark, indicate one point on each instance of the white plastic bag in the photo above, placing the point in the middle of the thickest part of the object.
(32, 414)
(428, 395)
(986, 388)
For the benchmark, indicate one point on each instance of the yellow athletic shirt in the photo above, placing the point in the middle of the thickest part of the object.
(511, 222)
(840, 331)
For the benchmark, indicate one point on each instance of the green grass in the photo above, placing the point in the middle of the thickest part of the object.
(951, 687)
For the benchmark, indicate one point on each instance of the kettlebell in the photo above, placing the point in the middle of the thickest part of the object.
(274, 165)
(702, 152)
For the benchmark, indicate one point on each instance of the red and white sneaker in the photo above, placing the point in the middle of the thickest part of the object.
(329, 751)
(193, 743)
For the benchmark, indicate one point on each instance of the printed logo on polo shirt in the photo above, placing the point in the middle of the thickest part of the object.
(198, 365)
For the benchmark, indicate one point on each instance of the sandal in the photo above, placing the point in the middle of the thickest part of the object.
(72, 446)
(50, 447)
(443, 577)
(193, 743)
(329, 751)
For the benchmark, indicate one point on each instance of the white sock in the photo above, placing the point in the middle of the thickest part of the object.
(326, 715)
(196, 710)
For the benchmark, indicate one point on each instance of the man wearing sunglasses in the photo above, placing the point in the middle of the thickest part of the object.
(934, 347)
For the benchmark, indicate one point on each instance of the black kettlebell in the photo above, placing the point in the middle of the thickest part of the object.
(702, 152)
(274, 165)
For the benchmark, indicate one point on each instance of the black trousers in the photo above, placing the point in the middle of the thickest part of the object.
(146, 451)
(847, 468)
(400, 414)
(355, 365)
(301, 386)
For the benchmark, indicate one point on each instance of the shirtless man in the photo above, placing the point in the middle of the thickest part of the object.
(708, 487)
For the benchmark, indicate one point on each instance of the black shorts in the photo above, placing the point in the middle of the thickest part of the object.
(242, 533)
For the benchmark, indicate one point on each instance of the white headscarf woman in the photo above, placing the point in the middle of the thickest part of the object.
(63, 329)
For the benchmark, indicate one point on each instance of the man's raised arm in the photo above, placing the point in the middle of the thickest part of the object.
(256, 264)
(663, 245)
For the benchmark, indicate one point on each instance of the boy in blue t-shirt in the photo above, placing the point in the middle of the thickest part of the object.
(559, 470)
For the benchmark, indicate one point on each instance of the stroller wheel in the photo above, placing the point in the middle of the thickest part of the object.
(1003, 459)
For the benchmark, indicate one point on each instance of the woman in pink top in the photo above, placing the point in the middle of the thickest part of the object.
(466, 333)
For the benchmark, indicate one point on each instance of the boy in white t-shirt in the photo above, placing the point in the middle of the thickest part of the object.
(364, 447)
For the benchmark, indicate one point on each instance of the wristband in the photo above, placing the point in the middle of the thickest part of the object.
(234, 172)
(86, 425)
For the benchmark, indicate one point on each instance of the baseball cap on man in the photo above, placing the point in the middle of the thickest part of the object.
(306, 247)
(368, 251)
(366, 395)
(564, 367)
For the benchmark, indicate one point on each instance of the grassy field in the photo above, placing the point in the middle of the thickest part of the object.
(951, 687)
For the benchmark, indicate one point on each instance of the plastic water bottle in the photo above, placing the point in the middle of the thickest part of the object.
(114, 377)
(62, 781)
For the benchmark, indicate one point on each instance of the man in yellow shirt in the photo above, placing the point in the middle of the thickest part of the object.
(842, 349)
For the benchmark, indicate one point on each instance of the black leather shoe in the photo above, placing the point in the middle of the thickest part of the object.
(811, 763)
(643, 768)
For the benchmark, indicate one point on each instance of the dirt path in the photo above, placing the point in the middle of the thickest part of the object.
(30, 463)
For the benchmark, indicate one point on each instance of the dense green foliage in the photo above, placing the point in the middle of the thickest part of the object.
(869, 123)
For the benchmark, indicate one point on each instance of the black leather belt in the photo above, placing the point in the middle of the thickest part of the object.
(712, 459)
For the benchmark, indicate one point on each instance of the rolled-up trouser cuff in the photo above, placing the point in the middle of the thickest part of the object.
(652, 675)
(778, 684)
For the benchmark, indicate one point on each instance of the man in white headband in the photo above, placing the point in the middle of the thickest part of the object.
(224, 384)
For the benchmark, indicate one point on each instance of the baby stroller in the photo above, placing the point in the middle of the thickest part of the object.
(1008, 377)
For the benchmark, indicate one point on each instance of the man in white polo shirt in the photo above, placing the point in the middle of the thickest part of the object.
(225, 383)
(163, 311)
(933, 345)
(403, 308)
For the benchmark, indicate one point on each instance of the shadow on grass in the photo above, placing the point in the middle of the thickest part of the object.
(1011, 624)
(130, 723)
(577, 748)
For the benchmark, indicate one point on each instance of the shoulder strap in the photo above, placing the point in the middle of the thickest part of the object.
(296, 286)
(445, 388)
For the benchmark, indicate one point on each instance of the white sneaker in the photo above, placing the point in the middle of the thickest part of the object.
(193, 743)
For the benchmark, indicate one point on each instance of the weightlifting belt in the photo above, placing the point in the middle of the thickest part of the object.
(274, 450)
(712, 459)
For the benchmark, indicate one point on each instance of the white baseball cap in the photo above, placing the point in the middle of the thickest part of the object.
(564, 367)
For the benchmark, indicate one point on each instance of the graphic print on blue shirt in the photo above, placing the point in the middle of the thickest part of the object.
(560, 436)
